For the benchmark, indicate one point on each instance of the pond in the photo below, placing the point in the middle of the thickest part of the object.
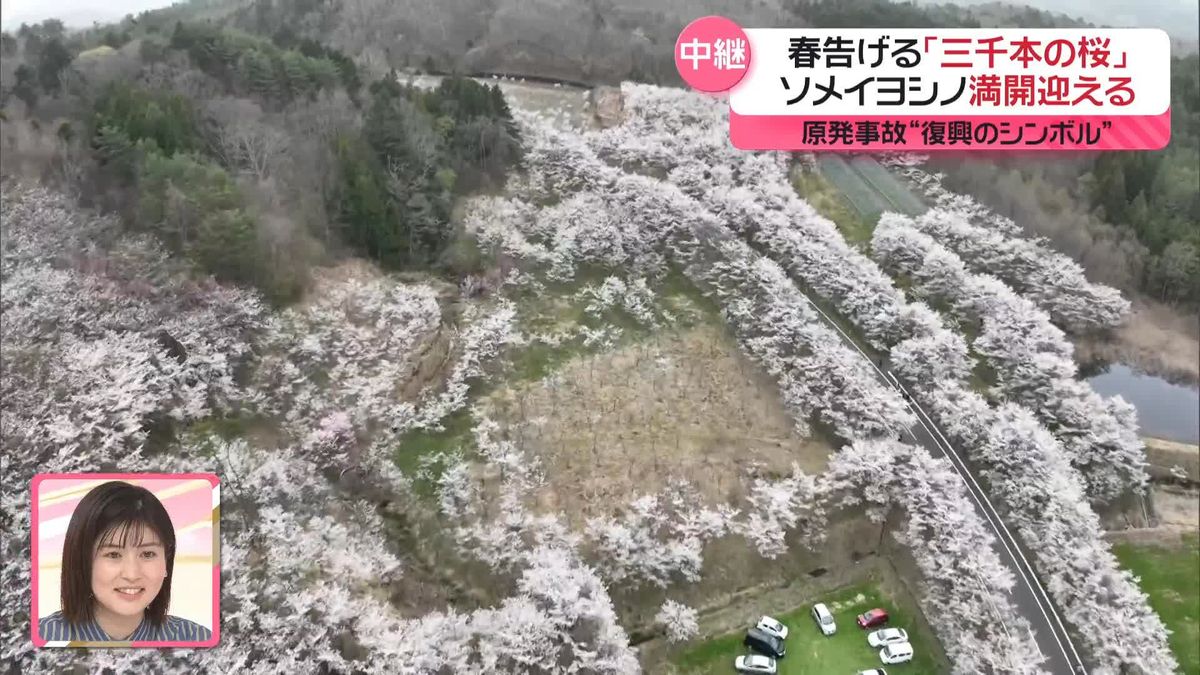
(1165, 410)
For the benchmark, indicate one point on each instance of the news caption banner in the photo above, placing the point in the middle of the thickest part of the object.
(898, 90)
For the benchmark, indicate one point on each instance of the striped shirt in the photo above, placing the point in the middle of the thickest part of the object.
(56, 628)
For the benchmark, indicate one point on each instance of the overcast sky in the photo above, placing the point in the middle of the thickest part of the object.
(74, 13)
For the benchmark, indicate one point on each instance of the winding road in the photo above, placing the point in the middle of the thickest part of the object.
(1028, 594)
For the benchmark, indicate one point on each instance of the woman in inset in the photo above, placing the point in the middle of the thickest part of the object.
(118, 556)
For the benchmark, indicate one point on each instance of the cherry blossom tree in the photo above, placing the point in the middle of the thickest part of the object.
(633, 548)
(635, 298)
(776, 507)
(347, 351)
(678, 621)
(1052, 281)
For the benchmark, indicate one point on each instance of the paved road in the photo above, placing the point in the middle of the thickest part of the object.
(1028, 595)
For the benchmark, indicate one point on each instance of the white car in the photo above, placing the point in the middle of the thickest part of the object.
(886, 636)
(824, 618)
(898, 652)
(769, 625)
(755, 663)
(873, 671)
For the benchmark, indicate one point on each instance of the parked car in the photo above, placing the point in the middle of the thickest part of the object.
(886, 636)
(772, 626)
(764, 643)
(873, 671)
(897, 652)
(755, 663)
(872, 618)
(824, 618)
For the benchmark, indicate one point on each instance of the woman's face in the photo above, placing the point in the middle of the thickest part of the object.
(126, 579)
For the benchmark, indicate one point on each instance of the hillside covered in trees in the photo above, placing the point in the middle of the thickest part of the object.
(253, 157)
(1125, 216)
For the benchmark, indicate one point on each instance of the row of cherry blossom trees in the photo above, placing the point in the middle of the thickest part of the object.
(750, 194)
(992, 245)
(1044, 502)
(1031, 358)
(952, 547)
(922, 348)
(1041, 497)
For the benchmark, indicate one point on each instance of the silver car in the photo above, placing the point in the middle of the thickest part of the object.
(886, 636)
(824, 618)
(755, 663)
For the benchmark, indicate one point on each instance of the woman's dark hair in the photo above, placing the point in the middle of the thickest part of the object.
(112, 513)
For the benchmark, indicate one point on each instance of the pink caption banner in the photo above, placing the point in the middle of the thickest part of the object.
(192, 501)
(904, 89)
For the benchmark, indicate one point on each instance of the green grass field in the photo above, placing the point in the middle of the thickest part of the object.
(811, 653)
(895, 193)
(1169, 574)
(865, 199)
(825, 197)
(853, 192)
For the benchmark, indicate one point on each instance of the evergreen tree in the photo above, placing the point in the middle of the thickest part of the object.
(167, 119)
(53, 58)
(115, 150)
(194, 207)
(361, 202)
(25, 88)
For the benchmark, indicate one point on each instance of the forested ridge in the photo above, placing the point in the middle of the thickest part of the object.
(254, 157)
(1157, 194)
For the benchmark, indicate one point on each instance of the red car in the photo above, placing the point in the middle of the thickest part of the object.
(872, 618)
